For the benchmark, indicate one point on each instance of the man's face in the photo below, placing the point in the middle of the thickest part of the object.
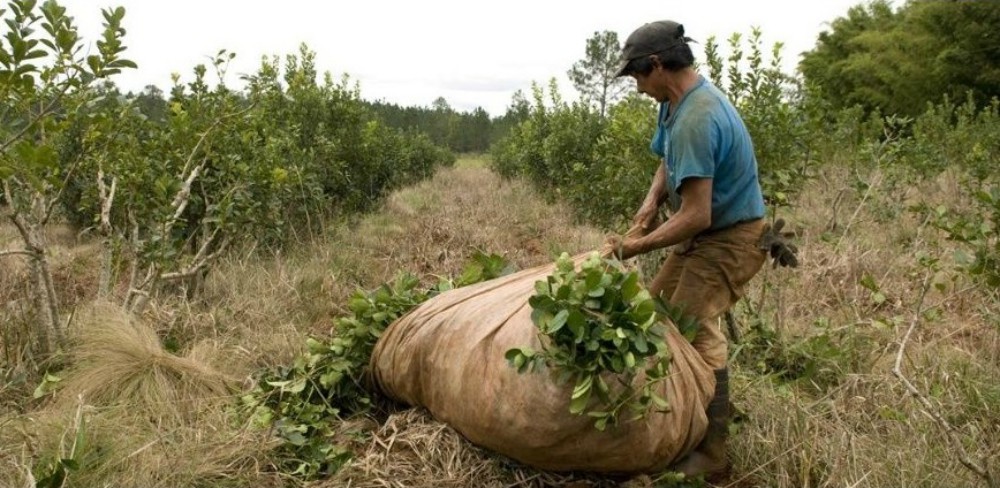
(650, 85)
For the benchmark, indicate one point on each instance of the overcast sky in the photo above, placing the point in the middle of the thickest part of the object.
(411, 52)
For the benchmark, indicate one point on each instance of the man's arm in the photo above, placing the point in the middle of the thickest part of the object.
(694, 216)
(654, 198)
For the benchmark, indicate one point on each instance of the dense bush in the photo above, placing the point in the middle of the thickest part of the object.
(602, 166)
(957, 137)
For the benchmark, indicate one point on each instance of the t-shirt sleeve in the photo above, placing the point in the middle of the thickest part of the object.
(693, 149)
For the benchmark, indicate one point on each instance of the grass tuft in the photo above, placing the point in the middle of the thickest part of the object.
(118, 361)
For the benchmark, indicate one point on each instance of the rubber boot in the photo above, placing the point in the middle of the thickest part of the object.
(709, 458)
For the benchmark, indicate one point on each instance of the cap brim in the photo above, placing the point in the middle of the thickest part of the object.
(621, 68)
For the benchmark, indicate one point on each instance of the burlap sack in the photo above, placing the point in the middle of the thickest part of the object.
(447, 355)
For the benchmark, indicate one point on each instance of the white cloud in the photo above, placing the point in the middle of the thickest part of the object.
(406, 52)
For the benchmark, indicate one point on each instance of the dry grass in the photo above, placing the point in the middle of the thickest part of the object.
(435, 226)
(129, 413)
(861, 428)
(159, 416)
(118, 361)
(850, 424)
(73, 262)
(119, 447)
(412, 449)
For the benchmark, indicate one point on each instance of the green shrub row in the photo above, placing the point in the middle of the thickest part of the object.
(285, 153)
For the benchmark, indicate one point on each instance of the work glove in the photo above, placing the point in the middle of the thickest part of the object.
(774, 243)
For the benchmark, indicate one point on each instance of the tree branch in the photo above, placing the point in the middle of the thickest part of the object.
(200, 260)
(183, 195)
(22, 228)
(76, 163)
(204, 135)
(14, 252)
(5, 196)
(980, 469)
(107, 198)
(42, 113)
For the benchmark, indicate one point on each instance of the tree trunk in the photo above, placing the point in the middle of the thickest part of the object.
(107, 260)
(49, 329)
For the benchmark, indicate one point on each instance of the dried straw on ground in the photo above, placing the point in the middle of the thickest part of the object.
(411, 449)
(119, 361)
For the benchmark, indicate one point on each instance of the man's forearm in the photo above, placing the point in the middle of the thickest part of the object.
(693, 217)
(658, 189)
(675, 230)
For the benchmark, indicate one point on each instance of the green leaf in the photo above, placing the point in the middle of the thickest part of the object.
(558, 321)
(579, 402)
(641, 346)
(617, 365)
(868, 282)
(80, 443)
(602, 386)
(540, 317)
(579, 329)
(630, 287)
(583, 386)
(660, 402)
(512, 353)
(564, 292)
(644, 308)
(295, 438)
(94, 63)
(542, 288)
(359, 305)
(123, 63)
(46, 385)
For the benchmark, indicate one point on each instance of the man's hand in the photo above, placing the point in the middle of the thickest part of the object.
(646, 218)
(620, 247)
(774, 243)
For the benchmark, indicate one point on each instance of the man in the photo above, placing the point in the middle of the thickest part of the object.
(709, 177)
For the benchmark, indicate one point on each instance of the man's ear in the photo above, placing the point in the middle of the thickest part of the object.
(655, 60)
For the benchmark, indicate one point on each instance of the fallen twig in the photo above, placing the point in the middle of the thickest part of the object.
(980, 468)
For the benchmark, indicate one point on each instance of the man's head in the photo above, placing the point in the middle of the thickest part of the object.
(656, 44)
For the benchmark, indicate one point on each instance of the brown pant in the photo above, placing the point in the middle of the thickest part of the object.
(708, 278)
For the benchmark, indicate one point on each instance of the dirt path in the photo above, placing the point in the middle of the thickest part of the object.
(435, 225)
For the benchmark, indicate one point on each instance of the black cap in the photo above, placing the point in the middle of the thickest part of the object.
(651, 38)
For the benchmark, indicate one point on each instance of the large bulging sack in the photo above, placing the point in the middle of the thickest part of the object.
(447, 355)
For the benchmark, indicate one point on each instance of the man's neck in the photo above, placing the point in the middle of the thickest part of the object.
(679, 83)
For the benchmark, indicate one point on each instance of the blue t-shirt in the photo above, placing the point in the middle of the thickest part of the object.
(704, 137)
